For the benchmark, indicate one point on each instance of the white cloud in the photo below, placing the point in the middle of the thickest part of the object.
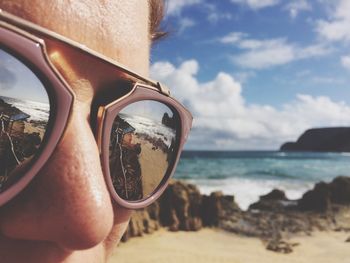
(185, 23)
(175, 7)
(337, 27)
(224, 120)
(266, 53)
(232, 38)
(214, 15)
(345, 61)
(297, 6)
(256, 4)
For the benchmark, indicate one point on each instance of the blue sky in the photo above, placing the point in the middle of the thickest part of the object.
(256, 73)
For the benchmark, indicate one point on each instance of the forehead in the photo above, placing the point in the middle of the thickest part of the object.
(118, 29)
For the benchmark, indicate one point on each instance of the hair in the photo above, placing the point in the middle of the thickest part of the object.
(156, 18)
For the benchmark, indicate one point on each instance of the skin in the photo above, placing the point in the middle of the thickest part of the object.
(66, 213)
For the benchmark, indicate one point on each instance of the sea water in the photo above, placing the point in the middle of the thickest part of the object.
(249, 174)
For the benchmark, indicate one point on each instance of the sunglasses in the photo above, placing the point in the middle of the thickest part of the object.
(139, 128)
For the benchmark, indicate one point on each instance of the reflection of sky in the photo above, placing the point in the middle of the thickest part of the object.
(17, 81)
(148, 109)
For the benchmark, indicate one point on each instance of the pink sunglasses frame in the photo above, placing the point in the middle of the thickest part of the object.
(27, 41)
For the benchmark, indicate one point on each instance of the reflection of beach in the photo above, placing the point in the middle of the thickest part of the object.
(154, 164)
(32, 127)
(210, 245)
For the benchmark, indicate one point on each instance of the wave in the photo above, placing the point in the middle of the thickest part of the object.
(271, 173)
(247, 191)
(261, 155)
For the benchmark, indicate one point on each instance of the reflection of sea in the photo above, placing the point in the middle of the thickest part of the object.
(247, 175)
(38, 111)
(154, 129)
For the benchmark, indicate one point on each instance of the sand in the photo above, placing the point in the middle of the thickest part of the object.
(210, 245)
(31, 128)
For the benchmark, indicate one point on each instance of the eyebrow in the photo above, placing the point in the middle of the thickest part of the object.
(155, 20)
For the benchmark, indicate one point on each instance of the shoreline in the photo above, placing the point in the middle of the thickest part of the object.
(215, 245)
(273, 220)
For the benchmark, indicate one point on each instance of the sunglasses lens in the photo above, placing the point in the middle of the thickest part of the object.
(24, 114)
(143, 147)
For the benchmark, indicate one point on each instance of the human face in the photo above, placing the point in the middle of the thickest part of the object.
(66, 213)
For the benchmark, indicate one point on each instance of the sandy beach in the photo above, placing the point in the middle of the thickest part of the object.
(212, 245)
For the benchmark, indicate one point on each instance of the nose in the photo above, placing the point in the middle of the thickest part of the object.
(67, 202)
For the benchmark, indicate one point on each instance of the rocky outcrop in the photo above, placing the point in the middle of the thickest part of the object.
(321, 140)
(274, 218)
(181, 207)
(324, 196)
(144, 221)
(273, 201)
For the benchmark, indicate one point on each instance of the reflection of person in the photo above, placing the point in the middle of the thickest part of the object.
(66, 213)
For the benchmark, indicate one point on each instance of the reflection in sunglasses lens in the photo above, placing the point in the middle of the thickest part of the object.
(24, 114)
(142, 147)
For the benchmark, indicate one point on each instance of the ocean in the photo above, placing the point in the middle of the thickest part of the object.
(249, 174)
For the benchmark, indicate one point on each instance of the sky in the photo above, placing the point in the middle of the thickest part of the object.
(256, 73)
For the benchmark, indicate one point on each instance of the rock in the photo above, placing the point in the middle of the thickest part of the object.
(143, 221)
(280, 246)
(180, 207)
(212, 209)
(321, 139)
(340, 190)
(218, 207)
(324, 195)
(317, 200)
(272, 201)
(275, 194)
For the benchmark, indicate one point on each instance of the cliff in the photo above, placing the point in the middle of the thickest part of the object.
(321, 140)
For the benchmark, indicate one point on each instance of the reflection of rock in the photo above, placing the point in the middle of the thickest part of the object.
(169, 121)
(29, 144)
(157, 143)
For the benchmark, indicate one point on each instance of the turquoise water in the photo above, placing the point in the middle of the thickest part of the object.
(249, 174)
